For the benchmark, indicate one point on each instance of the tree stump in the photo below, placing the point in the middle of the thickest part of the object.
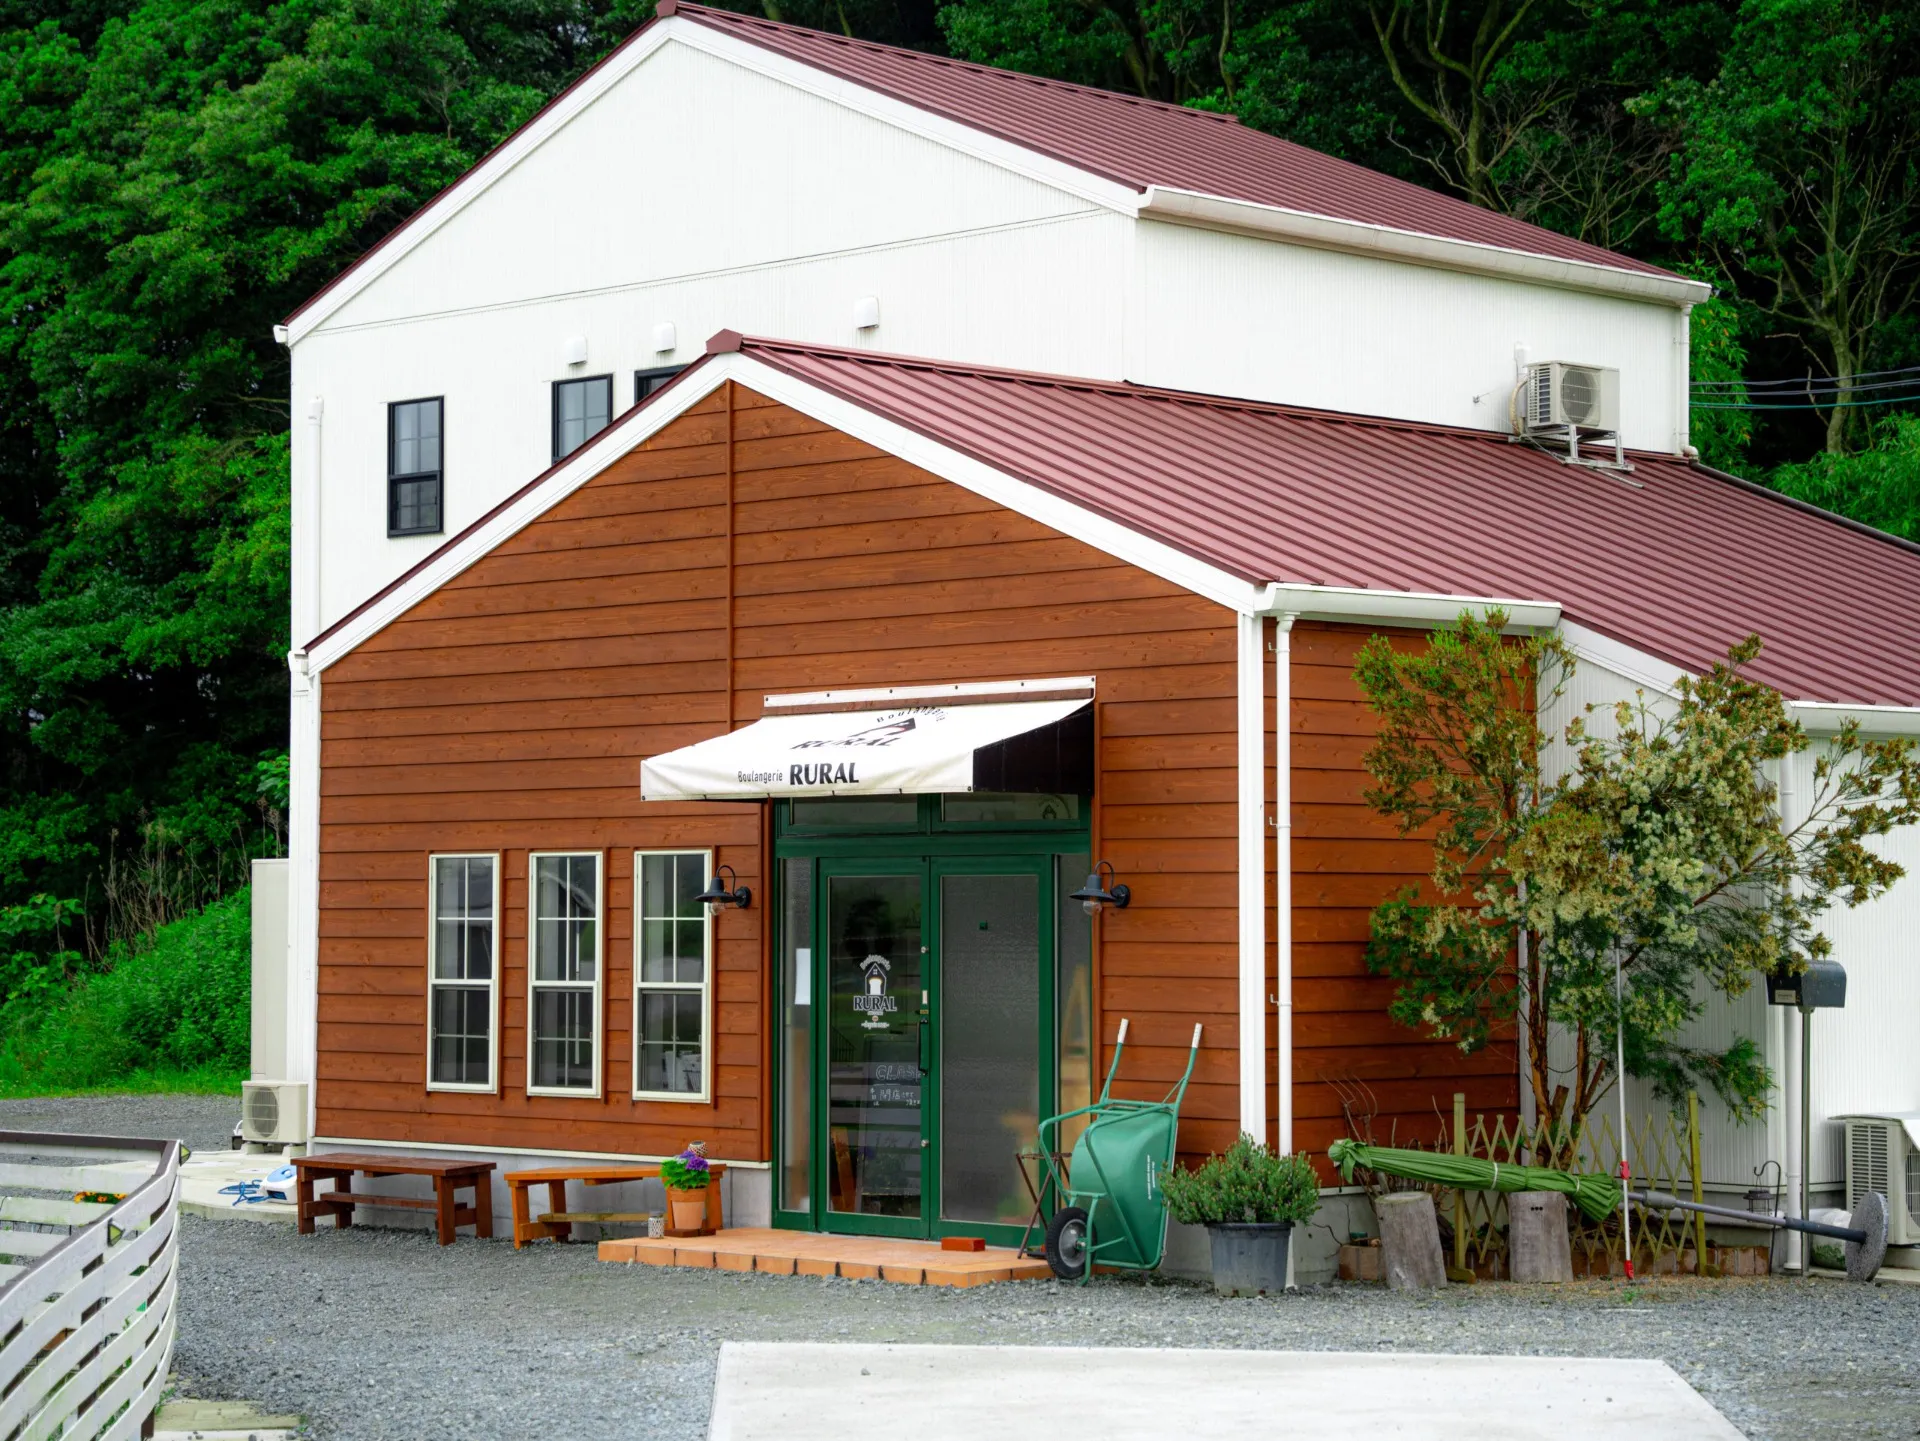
(1537, 1247)
(1410, 1241)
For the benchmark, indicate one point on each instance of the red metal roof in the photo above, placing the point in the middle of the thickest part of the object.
(1143, 142)
(1675, 560)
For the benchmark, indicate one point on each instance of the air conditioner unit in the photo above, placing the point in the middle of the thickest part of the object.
(273, 1113)
(1883, 1155)
(1586, 397)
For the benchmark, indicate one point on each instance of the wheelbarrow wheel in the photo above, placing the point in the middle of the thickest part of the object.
(1067, 1243)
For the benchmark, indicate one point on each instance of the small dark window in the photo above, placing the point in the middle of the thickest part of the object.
(413, 467)
(581, 410)
(645, 382)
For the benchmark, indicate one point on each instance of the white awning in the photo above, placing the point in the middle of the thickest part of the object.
(1041, 746)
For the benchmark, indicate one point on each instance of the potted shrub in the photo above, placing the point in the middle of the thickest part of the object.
(686, 1177)
(1249, 1200)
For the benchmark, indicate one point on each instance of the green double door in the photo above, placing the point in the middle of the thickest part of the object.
(933, 1040)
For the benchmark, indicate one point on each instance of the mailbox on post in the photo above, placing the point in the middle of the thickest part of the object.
(1822, 986)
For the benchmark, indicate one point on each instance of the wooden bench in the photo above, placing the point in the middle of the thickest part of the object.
(448, 1177)
(558, 1223)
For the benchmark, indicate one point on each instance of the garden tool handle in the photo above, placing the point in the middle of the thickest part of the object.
(1121, 1039)
(1196, 1037)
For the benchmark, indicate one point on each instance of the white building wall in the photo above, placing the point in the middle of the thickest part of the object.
(1237, 315)
(1865, 1057)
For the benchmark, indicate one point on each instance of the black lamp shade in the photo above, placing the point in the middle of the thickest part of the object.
(1096, 893)
(717, 894)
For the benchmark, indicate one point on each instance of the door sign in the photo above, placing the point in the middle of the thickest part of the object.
(876, 1003)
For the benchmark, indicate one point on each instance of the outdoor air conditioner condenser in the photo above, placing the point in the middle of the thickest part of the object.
(273, 1113)
(1556, 395)
(1881, 1156)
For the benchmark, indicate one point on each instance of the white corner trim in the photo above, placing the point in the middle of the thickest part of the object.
(1022, 496)
(1355, 237)
(1251, 767)
(1653, 674)
(1628, 662)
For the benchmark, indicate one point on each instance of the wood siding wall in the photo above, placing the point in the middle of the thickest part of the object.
(510, 710)
(1346, 860)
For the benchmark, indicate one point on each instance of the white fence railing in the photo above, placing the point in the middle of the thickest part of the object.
(87, 1287)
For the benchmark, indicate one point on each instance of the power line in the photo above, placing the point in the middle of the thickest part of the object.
(1817, 380)
(1807, 405)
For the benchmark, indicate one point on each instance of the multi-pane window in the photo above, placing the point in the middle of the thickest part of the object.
(413, 467)
(462, 970)
(564, 1005)
(581, 410)
(645, 382)
(672, 964)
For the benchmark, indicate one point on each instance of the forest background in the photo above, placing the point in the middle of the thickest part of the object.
(177, 175)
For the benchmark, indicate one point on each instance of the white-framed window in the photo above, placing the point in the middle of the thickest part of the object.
(463, 972)
(566, 893)
(673, 976)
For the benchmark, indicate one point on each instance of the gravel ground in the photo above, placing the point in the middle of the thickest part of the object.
(205, 1123)
(382, 1334)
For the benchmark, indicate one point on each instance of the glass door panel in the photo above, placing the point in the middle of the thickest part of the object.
(875, 1044)
(991, 1022)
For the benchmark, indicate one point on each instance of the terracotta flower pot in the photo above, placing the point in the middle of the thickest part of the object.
(689, 1209)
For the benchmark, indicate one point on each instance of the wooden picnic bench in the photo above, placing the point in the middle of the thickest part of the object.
(448, 1176)
(559, 1222)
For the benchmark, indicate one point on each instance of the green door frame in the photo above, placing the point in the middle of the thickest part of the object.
(931, 853)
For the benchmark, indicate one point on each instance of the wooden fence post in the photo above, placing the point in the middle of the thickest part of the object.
(1460, 1197)
(1693, 1154)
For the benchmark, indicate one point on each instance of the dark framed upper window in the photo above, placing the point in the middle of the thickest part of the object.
(581, 410)
(414, 477)
(645, 382)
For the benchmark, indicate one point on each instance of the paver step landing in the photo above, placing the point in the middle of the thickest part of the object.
(855, 1258)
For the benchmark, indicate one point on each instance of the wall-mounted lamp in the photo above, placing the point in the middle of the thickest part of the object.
(719, 896)
(1094, 895)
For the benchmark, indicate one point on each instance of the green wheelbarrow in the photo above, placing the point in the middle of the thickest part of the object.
(1109, 1211)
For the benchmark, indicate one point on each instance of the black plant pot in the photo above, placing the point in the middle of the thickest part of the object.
(1250, 1259)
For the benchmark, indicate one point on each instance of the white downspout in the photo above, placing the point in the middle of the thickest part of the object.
(1683, 387)
(1792, 1060)
(1283, 876)
(1252, 756)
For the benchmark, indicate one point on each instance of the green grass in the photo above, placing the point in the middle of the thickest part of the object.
(169, 1016)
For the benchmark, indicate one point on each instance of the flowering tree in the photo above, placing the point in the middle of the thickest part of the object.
(1661, 849)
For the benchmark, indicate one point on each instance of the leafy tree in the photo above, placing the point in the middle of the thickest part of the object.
(1879, 485)
(1660, 851)
(1801, 172)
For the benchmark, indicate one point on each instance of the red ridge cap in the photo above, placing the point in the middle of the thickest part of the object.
(723, 342)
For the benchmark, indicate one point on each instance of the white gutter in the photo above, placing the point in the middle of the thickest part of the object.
(1252, 757)
(1354, 237)
(1400, 607)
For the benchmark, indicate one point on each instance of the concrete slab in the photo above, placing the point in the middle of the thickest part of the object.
(812, 1392)
(203, 1176)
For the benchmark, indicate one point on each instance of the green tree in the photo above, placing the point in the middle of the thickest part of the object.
(1801, 173)
(1879, 485)
(1660, 851)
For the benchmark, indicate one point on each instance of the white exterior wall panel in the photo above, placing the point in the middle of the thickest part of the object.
(1864, 1056)
(1235, 315)
(496, 367)
(690, 166)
